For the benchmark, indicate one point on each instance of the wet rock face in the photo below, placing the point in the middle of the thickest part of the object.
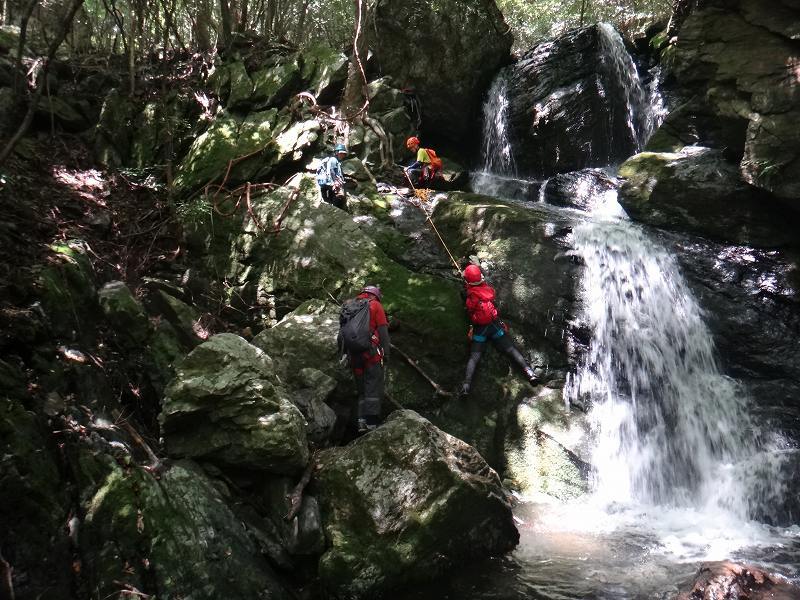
(727, 580)
(567, 108)
(736, 71)
(751, 305)
(403, 503)
(446, 50)
(698, 190)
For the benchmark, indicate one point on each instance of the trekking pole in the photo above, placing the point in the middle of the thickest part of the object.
(432, 224)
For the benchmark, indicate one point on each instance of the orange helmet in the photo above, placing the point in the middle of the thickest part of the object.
(473, 275)
(412, 141)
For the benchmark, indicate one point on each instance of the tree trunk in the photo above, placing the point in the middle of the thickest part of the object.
(680, 10)
(203, 25)
(23, 36)
(226, 34)
(355, 89)
(34, 101)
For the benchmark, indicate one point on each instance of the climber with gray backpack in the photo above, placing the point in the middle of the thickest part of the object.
(364, 339)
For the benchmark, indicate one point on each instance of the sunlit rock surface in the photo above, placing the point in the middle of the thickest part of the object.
(736, 74)
(226, 406)
(725, 579)
(698, 190)
(404, 502)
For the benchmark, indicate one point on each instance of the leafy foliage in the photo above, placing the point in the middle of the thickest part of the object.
(533, 21)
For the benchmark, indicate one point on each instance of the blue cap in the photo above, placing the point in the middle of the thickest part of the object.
(340, 148)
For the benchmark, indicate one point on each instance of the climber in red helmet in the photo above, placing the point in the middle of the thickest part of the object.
(426, 166)
(485, 326)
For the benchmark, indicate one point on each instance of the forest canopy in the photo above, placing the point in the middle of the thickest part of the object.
(136, 27)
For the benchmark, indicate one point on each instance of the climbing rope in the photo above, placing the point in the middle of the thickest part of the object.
(422, 196)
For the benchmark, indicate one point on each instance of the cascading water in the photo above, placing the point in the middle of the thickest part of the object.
(497, 176)
(680, 470)
(670, 429)
(641, 118)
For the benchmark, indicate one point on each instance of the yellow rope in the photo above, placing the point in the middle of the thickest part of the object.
(423, 196)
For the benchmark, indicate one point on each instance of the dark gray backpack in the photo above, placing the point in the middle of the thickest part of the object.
(354, 332)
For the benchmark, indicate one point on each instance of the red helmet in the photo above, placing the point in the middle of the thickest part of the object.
(473, 275)
(412, 141)
(374, 290)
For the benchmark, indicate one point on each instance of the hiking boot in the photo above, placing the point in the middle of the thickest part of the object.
(464, 391)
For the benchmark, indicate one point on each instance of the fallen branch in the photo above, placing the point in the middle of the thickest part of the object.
(436, 387)
(156, 465)
(295, 497)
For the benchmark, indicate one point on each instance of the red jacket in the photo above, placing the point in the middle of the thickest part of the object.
(377, 318)
(480, 304)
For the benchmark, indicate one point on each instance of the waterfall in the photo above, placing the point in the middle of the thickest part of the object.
(670, 429)
(641, 119)
(496, 156)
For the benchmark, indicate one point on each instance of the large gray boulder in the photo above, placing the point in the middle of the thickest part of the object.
(404, 502)
(227, 406)
(447, 51)
(698, 190)
(735, 75)
(175, 536)
(569, 101)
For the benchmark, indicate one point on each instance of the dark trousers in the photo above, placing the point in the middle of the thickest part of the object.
(494, 332)
(330, 196)
(369, 382)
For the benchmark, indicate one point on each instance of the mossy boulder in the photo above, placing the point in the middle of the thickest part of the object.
(273, 86)
(63, 112)
(325, 70)
(698, 190)
(34, 504)
(256, 144)
(124, 313)
(175, 536)
(227, 406)
(402, 504)
(114, 130)
(67, 290)
(229, 137)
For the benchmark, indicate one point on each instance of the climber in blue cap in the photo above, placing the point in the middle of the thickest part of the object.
(331, 179)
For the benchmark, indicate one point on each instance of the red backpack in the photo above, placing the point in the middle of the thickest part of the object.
(481, 310)
(436, 162)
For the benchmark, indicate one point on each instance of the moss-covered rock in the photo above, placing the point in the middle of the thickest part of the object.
(113, 132)
(228, 138)
(63, 112)
(273, 86)
(325, 70)
(170, 537)
(253, 145)
(698, 190)
(67, 290)
(403, 503)
(124, 313)
(34, 505)
(227, 406)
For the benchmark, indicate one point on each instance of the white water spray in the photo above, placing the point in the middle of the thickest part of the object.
(641, 119)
